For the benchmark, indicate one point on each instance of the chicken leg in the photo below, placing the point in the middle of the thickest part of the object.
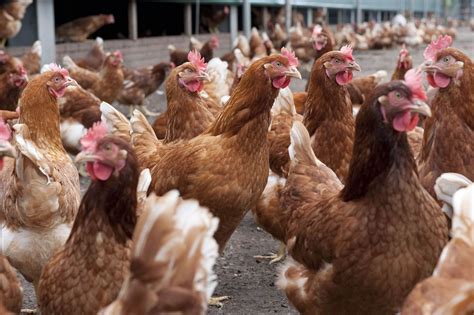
(275, 257)
(217, 300)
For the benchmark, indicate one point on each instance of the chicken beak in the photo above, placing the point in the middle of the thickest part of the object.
(6, 149)
(84, 157)
(293, 72)
(353, 66)
(204, 76)
(420, 107)
(70, 82)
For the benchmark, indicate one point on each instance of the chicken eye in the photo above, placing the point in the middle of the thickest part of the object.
(278, 64)
(57, 79)
(446, 59)
(337, 61)
(108, 147)
(398, 95)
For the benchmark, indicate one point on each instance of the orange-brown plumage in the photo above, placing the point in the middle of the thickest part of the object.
(360, 249)
(328, 117)
(231, 154)
(447, 143)
(88, 272)
(79, 29)
(40, 189)
(11, 294)
(12, 83)
(187, 114)
(95, 57)
(106, 84)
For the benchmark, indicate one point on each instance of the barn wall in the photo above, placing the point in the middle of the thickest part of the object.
(137, 53)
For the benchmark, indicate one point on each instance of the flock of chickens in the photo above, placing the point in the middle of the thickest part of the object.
(360, 180)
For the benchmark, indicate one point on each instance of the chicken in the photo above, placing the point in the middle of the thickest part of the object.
(257, 47)
(78, 30)
(207, 51)
(300, 100)
(12, 83)
(451, 128)
(404, 63)
(360, 249)
(177, 56)
(166, 278)
(106, 84)
(213, 17)
(328, 111)
(11, 293)
(39, 195)
(11, 14)
(8, 63)
(231, 154)
(323, 40)
(187, 114)
(79, 110)
(32, 59)
(450, 290)
(220, 80)
(95, 57)
(88, 272)
(140, 83)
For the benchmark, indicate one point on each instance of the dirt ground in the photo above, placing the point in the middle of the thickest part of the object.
(248, 281)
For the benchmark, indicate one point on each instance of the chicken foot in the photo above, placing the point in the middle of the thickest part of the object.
(217, 300)
(275, 257)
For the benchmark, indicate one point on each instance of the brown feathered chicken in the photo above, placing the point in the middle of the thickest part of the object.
(207, 50)
(447, 143)
(95, 57)
(11, 293)
(404, 63)
(11, 15)
(214, 17)
(140, 83)
(39, 195)
(88, 272)
(79, 110)
(257, 46)
(361, 87)
(226, 167)
(328, 110)
(12, 83)
(106, 84)
(79, 29)
(361, 248)
(32, 59)
(187, 115)
(172, 259)
(450, 290)
(178, 56)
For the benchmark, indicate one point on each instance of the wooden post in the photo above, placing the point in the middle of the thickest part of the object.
(233, 23)
(288, 15)
(132, 20)
(247, 18)
(359, 17)
(188, 19)
(46, 30)
(309, 16)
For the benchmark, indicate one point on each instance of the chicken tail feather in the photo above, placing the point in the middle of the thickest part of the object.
(463, 219)
(118, 124)
(172, 258)
(445, 187)
(300, 148)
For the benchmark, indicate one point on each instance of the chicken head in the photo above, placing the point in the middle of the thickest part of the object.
(103, 156)
(192, 74)
(403, 101)
(282, 69)
(340, 64)
(58, 80)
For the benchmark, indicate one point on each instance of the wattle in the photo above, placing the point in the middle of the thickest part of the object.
(441, 80)
(99, 171)
(281, 82)
(194, 86)
(406, 121)
(344, 77)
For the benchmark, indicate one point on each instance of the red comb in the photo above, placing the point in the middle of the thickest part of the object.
(55, 68)
(5, 132)
(194, 57)
(118, 53)
(347, 51)
(93, 135)
(436, 45)
(413, 79)
(317, 30)
(292, 60)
